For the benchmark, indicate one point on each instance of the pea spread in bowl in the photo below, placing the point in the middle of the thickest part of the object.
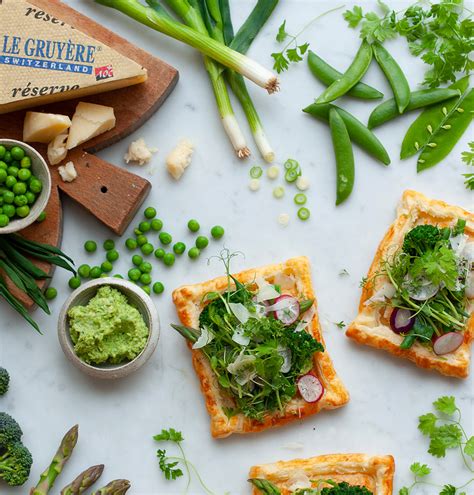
(108, 330)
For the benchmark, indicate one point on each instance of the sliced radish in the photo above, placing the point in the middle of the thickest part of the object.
(448, 342)
(286, 308)
(310, 388)
(402, 320)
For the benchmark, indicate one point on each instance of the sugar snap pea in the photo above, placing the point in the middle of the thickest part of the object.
(418, 99)
(456, 124)
(344, 156)
(358, 132)
(351, 77)
(431, 121)
(394, 75)
(328, 74)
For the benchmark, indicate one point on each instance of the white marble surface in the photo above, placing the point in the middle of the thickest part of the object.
(117, 420)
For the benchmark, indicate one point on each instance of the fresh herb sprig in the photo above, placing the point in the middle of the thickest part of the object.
(468, 158)
(293, 52)
(268, 488)
(439, 33)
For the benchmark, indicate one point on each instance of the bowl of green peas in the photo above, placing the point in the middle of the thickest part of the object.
(25, 185)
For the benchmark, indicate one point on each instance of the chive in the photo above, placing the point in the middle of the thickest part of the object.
(256, 172)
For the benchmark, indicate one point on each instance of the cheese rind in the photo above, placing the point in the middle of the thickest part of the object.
(44, 127)
(89, 120)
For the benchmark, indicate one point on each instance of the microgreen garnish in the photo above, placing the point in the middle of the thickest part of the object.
(292, 52)
(268, 488)
(468, 158)
(340, 324)
(343, 273)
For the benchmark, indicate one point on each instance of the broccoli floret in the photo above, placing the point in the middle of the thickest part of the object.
(10, 431)
(15, 464)
(421, 239)
(4, 381)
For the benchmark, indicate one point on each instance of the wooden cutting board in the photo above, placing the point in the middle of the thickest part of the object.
(112, 194)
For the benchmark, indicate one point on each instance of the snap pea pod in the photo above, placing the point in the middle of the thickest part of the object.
(418, 99)
(430, 122)
(328, 74)
(351, 77)
(456, 124)
(394, 75)
(344, 156)
(358, 132)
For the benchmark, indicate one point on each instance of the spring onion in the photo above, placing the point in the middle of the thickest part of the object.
(160, 21)
(256, 172)
(254, 184)
(300, 199)
(278, 192)
(273, 172)
(304, 213)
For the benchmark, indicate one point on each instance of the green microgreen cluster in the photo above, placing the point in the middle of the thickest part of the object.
(267, 488)
(439, 33)
(427, 264)
(468, 158)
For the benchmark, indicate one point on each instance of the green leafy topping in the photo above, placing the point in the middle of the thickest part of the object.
(420, 470)
(468, 158)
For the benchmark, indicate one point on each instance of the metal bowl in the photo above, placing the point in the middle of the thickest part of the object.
(40, 169)
(138, 298)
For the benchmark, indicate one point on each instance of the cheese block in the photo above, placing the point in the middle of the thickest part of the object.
(44, 60)
(89, 120)
(44, 127)
(57, 150)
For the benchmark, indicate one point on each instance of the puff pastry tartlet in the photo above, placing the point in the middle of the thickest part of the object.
(372, 472)
(372, 325)
(294, 277)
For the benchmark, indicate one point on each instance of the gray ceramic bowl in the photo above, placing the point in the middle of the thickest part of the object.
(41, 170)
(136, 296)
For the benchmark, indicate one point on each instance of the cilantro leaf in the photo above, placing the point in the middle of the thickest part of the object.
(303, 48)
(281, 63)
(427, 423)
(293, 55)
(170, 435)
(404, 491)
(354, 16)
(446, 405)
(443, 438)
(420, 470)
(469, 182)
(468, 156)
(448, 490)
(168, 468)
(282, 34)
(469, 448)
(437, 447)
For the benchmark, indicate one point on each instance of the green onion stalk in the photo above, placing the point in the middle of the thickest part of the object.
(192, 17)
(160, 21)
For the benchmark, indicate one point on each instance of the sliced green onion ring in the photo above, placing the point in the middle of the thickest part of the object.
(291, 175)
(300, 199)
(256, 172)
(304, 213)
(278, 192)
(290, 164)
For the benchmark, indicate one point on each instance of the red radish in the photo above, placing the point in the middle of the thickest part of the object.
(401, 320)
(448, 342)
(310, 388)
(286, 309)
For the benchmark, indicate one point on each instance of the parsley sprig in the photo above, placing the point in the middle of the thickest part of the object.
(439, 33)
(468, 158)
(293, 52)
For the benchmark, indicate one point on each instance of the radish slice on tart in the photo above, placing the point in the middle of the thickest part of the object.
(401, 320)
(286, 309)
(447, 343)
(310, 388)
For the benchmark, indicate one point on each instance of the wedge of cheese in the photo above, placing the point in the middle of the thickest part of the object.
(44, 127)
(89, 120)
(44, 60)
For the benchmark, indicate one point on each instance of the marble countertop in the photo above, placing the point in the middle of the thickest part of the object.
(118, 419)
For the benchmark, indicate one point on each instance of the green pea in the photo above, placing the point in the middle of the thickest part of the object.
(193, 225)
(3, 165)
(74, 282)
(146, 289)
(142, 239)
(42, 217)
(84, 271)
(137, 232)
(17, 153)
(145, 278)
(158, 288)
(194, 253)
(50, 293)
(131, 244)
(10, 181)
(90, 246)
(217, 232)
(23, 211)
(31, 197)
(3, 175)
(19, 188)
(169, 259)
(25, 162)
(117, 275)
(134, 274)
(4, 220)
(112, 255)
(3, 150)
(150, 212)
(165, 238)
(156, 224)
(145, 267)
(106, 267)
(20, 200)
(109, 244)
(9, 210)
(36, 186)
(202, 242)
(144, 226)
(104, 275)
(159, 253)
(179, 248)
(147, 249)
(13, 171)
(137, 260)
(95, 272)
(8, 197)
(7, 157)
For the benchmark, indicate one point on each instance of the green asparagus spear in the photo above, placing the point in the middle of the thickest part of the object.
(116, 487)
(63, 454)
(84, 481)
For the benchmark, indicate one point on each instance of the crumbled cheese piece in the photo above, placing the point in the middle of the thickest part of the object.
(254, 184)
(273, 172)
(284, 219)
(294, 446)
(68, 172)
(180, 158)
(57, 150)
(139, 152)
(302, 183)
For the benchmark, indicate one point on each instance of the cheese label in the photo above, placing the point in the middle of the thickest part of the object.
(43, 59)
